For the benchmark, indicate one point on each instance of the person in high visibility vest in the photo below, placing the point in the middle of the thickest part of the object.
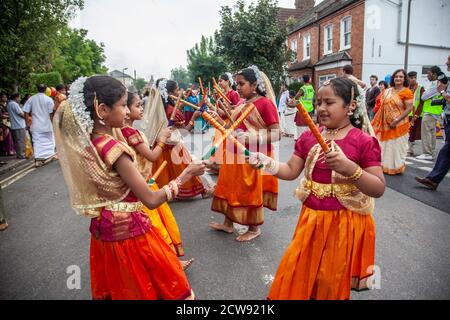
(415, 116)
(306, 96)
(431, 114)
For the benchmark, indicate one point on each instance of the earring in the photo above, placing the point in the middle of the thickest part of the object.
(101, 120)
(350, 113)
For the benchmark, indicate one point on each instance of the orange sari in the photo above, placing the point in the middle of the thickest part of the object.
(162, 217)
(394, 141)
(178, 158)
(242, 192)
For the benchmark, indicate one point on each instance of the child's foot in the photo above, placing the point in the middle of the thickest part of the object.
(221, 227)
(3, 226)
(249, 235)
(186, 263)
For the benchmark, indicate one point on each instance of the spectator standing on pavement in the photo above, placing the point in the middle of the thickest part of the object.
(371, 95)
(415, 117)
(18, 125)
(282, 105)
(41, 107)
(6, 140)
(431, 114)
(306, 96)
(442, 165)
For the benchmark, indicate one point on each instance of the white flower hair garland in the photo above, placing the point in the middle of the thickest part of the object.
(259, 79)
(163, 90)
(76, 101)
(230, 78)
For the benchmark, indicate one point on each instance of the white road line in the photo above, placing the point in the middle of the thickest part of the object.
(408, 163)
(19, 175)
(419, 160)
(427, 169)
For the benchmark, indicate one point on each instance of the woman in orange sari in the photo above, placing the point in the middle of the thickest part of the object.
(128, 258)
(391, 124)
(242, 192)
(162, 217)
(174, 152)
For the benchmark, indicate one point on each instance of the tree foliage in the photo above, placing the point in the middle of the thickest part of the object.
(140, 84)
(76, 55)
(29, 30)
(252, 35)
(182, 76)
(203, 61)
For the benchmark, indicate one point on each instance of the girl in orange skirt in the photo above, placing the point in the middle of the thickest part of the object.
(129, 258)
(242, 192)
(333, 247)
(174, 152)
(162, 217)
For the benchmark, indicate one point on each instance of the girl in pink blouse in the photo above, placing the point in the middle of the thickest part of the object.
(333, 247)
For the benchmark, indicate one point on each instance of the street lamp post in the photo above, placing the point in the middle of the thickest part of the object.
(123, 75)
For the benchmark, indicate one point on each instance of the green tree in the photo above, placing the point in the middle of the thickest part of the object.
(29, 32)
(182, 76)
(252, 35)
(140, 84)
(203, 61)
(76, 55)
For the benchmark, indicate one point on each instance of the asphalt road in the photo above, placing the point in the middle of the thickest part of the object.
(45, 238)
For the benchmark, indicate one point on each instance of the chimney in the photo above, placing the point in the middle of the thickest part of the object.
(304, 4)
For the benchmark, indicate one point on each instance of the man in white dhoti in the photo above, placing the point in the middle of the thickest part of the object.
(41, 107)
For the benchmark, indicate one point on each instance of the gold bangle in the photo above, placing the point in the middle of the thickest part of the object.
(355, 176)
(161, 144)
(168, 192)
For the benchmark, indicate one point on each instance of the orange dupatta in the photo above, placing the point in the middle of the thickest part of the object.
(391, 105)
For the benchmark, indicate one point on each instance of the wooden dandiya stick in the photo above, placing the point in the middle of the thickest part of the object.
(156, 134)
(204, 96)
(201, 85)
(186, 103)
(315, 131)
(174, 112)
(224, 109)
(157, 173)
(221, 94)
(188, 92)
(226, 132)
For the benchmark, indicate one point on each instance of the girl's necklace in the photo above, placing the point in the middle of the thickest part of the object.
(332, 133)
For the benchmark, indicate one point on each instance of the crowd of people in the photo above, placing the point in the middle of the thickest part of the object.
(123, 175)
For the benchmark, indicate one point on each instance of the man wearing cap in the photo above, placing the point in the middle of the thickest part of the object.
(442, 165)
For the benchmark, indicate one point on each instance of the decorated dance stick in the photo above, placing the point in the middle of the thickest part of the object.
(315, 131)
(186, 103)
(226, 133)
(221, 94)
(188, 92)
(174, 112)
(157, 173)
(201, 85)
(224, 109)
(156, 134)
(204, 96)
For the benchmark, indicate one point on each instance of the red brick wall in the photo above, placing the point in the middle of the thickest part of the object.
(355, 10)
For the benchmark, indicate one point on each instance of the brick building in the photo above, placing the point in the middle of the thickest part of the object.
(327, 37)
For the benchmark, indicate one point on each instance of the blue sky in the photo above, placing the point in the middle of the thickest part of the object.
(151, 36)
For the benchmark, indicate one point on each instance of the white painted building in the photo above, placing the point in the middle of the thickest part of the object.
(385, 36)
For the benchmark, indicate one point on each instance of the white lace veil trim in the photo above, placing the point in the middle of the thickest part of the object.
(230, 78)
(79, 109)
(163, 90)
(259, 79)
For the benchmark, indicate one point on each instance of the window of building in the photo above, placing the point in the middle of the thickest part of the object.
(294, 45)
(346, 33)
(326, 77)
(328, 39)
(306, 46)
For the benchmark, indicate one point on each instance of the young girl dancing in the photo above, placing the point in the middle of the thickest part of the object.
(162, 217)
(129, 258)
(333, 247)
(242, 192)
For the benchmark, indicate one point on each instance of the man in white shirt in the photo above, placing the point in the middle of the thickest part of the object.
(41, 107)
(284, 96)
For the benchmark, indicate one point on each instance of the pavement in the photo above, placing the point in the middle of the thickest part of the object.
(46, 240)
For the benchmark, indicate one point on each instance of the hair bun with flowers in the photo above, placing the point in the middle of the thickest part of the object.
(163, 90)
(230, 78)
(259, 79)
(79, 109)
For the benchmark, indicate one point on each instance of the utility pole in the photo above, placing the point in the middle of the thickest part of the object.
(407, 36)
